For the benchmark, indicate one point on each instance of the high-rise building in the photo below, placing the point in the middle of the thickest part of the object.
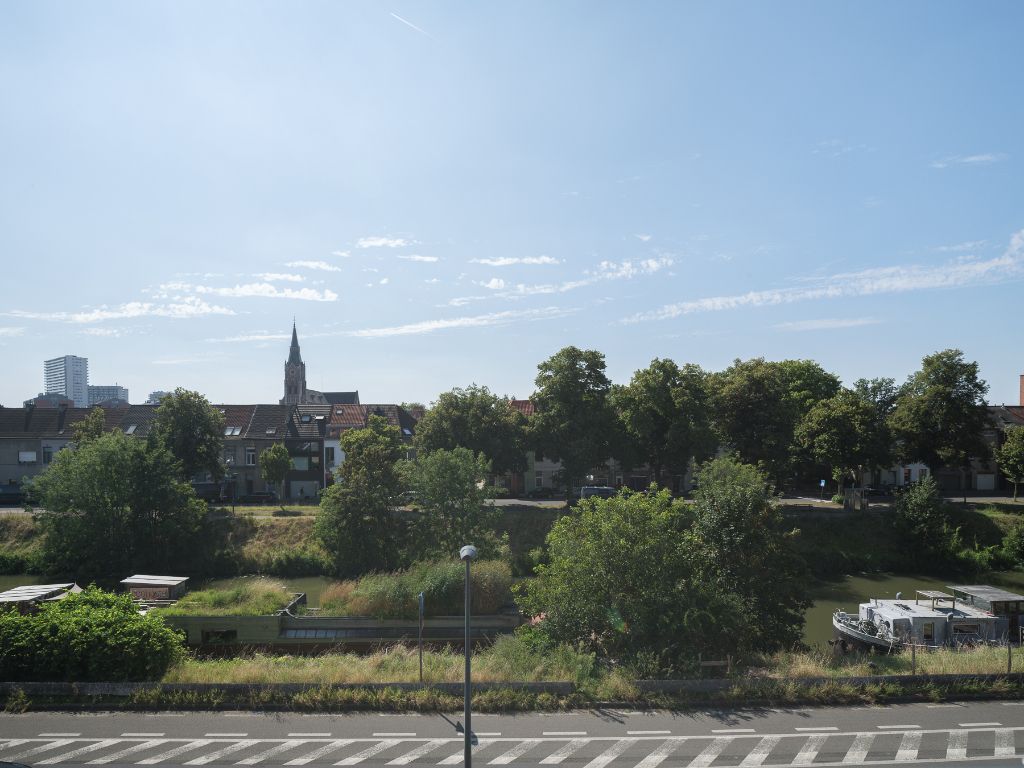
(68, 376)
(155, 397)
(99, 393)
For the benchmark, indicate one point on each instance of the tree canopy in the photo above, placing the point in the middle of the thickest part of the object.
(192, 430)
(1010, 456)
(479, 420)
(573, 422)
(89, 428)
(116, 506)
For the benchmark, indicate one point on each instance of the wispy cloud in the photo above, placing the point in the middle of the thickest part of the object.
(321, 265)
(417, 257)
(248, 337)
(255, 290)
(411, 25)
(384, 281)
(987, 158)
(642, 238)
(432, 281)
(383, 242)
(11, 331)
(826, 324)
(494, 284)
(339, 254)
(507, 261)
(93, 331)
(179, 308)
(882, 280)
(476, 321)
(838, 148)
(279, 277)
(970, 245)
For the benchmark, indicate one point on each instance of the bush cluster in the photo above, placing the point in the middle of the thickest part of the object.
(257, 597)
(394, 595)
(92, 636)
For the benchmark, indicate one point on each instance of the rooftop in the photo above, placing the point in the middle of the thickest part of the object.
(34, 592)
(156, 581)
(986, 593)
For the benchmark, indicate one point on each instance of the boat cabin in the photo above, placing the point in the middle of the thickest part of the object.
(27, 599)
(933, 618)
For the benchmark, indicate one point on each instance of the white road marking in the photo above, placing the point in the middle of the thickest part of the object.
(1005, 744)
(283, 747)
(942, 706)
(370, 751)
(957, 746)
(80, 751)
(57, 735)
(760, 753)
(228, 750)
(518, 750)
(388, 734)
(979, 725)
(9, 743)
(143, 735)
(561, 753)
(648, 733)
(309, 735)
(491, 734)
(810, 749)
(180, 749)
(732, 730)
(421, 750)
(909, 746)
(457, 758)
(616, 749)
(128, 751)
(1013, 703)
(659, 755)
(564, 733)
(320, 752)
(858, 751)
(36, 750)
(711, 751)
(897, 727)
(226, 735)
(820, 728)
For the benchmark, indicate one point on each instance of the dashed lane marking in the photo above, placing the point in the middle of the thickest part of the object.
(564, 733)
(226, 735)
(817, 728)
(648, 733)
(142, 735)
(980, 725)
(400, 734)
(732, 730)
(897, 727)
(309, 735)
(57, 735)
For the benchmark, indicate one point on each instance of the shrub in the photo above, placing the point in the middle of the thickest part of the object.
(254, 597)
(838, 499)
(92, 636)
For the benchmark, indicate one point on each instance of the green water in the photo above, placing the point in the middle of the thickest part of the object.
(10, 582)
(854, 590)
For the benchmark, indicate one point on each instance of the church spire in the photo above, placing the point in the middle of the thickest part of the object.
(294, 356)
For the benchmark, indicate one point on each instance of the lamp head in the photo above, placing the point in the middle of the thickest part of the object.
(467, 553)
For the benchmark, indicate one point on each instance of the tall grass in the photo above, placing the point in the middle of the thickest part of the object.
(943, 661)
(394, 595)
(255, 597)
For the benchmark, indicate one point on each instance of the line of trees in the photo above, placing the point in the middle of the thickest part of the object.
(792, 418)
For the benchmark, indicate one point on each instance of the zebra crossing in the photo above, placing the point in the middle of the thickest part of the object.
(704, 751)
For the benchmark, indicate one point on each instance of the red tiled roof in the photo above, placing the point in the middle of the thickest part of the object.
(525, 407)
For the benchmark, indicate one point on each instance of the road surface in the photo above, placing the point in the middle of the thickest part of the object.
(982, 733)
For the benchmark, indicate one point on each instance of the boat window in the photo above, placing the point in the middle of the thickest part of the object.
(966, 629)
(928, 631)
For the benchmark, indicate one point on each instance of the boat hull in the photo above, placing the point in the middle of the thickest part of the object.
(849, 638)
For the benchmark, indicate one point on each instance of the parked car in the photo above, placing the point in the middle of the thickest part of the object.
(601, 491)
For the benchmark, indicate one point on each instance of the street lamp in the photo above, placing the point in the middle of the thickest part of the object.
(466, 554)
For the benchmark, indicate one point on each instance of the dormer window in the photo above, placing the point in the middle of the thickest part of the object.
(131, 429)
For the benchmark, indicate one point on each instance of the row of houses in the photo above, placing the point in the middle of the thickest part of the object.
(30, 437)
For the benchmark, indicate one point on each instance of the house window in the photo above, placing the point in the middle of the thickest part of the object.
(928, 632)
(301, 463)
(47, 454)
(250, 456)
(26, 457)
(329, 455)
(539, 479)
(229, 455)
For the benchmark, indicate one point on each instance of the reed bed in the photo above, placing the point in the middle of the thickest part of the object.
(254, 597)
(944, 661)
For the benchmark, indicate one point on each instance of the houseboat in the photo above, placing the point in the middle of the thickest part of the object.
(975, 614)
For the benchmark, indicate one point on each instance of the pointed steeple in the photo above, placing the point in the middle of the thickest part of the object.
(294, 357)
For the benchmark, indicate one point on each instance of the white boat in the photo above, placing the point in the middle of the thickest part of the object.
(972, 615)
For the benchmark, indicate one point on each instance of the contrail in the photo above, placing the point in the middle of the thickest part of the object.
(410, 24)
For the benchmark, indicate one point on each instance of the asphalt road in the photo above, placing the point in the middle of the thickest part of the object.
(982, 733)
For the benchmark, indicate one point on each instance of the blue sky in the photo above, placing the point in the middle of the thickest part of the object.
(448, 193)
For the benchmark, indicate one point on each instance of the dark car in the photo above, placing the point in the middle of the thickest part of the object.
(601, 491)
(11, 495)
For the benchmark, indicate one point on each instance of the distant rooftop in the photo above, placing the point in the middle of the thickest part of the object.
(32, 592)
(986, 593)
(156, 581)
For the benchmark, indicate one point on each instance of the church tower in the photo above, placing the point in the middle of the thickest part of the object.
(294, 374)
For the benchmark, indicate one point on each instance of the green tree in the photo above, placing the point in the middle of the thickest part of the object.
(926, 526)
(453, 509)
(192, 430)
(274, 466)
(881, 393)
(356, 524)
(479, 420)
(1010, 456)
(665, 413)
(573, 422)
(620, 583)
(758, 404)
(116, 506)
(741, 546)
(91, 636)
(89, 428)
(940, 414)
(847, 434)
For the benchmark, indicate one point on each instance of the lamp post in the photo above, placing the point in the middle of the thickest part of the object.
(466, 554)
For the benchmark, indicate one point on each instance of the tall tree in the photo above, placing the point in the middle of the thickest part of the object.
(1010, 456)
(573, 422)
(847, 434)
(452, 505)
(479, 420)
(356, 524)
(665, 413)
(89, 428)
(192, 430)
(881, 393)
(275, 462)
(758, 403)
(114, 506)
(940, 414)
